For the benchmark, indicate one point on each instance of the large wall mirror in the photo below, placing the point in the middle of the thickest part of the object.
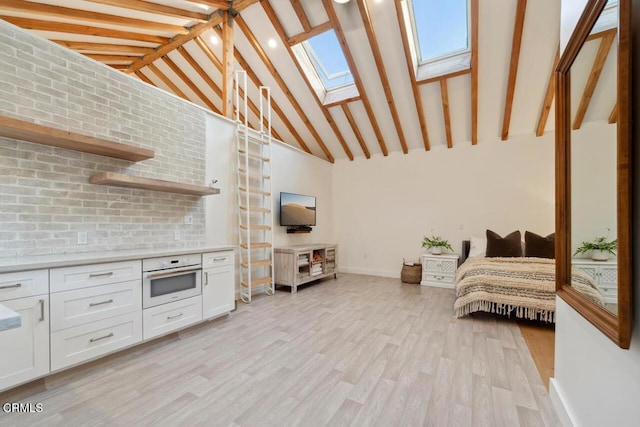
(593, 177)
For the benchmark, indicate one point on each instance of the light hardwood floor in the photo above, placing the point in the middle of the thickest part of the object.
(359, 350)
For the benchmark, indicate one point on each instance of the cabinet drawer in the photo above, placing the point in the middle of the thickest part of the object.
(172, 316)
(80, 306)
(68, 278)
(23, 284)
(75, 345)
(216, 259)
(438, 278)
(436, 266)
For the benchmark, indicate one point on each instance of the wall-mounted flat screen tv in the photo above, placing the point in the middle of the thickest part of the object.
(297, 210)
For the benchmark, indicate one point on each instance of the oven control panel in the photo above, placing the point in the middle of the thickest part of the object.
(169, 262)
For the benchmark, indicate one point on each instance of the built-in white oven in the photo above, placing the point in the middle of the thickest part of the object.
(169, 279)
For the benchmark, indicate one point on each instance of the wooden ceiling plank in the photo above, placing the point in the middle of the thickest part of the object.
(548, 99)
(275, 21)
(592, 80)
(158, 9)
(302, 16)
(88, 16)
(283, 86)
(104, 47)
(144, 78)
(167, 81)
(61, 27)
(444, 94)
(178, 72)
(417, 99)
(474, 70)
(444, 77)
(306, 35)
(337, 27)
(227, 65)
(513, 66)
(382, 72)
(613, 117)
(356, 130)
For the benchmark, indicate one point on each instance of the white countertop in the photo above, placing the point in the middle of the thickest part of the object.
(9, 319)
(11, 264)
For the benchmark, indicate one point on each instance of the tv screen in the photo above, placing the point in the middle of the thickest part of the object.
(297, 210)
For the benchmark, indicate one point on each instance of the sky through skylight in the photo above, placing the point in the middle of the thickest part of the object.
(328, 59)
(441, 27)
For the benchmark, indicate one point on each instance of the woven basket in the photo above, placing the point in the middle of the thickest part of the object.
(411, 273)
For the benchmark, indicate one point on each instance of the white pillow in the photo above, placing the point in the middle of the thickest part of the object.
(478, 247)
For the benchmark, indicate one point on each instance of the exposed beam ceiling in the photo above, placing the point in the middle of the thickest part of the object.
(513, 66)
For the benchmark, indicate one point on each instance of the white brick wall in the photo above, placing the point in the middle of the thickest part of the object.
(45, 197)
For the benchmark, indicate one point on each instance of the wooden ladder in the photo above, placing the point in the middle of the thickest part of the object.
(255, 198)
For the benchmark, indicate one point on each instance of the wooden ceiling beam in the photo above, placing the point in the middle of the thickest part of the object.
(592, 81)
(144, 78)
(356, 130)
(112, 59)
(417, 99)
(167, 81)
(474, 70)
(613, 117)
(117, 66)
(444, 94)
(601, 34)
(227, 65)
(88, 16)
(281, 83)
(220, 4)
(158, 9)
(194, 88)
(382, 72)
(548, 99)
(342, 101)
(302, 15)
(61, 27)
(444, 77)
(337, 27)
(306, 35)
(513, 66)
(104, 47)
(209, 53)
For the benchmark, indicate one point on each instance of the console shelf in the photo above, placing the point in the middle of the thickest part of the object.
(296, 265)
(130, 181)
(45, 135)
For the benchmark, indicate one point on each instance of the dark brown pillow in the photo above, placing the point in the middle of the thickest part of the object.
(538, 246)
(508, 246)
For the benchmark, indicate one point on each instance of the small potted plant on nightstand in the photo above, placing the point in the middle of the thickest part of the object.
(600, 248)
(436, 245)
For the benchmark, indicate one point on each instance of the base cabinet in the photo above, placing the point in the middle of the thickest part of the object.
(296, 265)
(604, 273)
(24, 351)
(218, 284)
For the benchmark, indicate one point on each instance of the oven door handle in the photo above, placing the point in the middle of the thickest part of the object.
(171, 273)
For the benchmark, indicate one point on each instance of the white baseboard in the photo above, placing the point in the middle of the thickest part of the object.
(559, 404)
(370, 272)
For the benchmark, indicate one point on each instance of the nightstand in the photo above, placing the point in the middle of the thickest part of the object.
(439, 270)
(604, 273)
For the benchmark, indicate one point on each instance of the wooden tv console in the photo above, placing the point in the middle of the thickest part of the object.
(296, 265)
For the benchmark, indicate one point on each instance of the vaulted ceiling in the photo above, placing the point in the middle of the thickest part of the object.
(179, 46)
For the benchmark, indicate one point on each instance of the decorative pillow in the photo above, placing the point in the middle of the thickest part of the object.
(508, 246)
(538, 246)
(477, 247)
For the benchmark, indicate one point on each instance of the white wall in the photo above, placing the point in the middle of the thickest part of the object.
(384, 206)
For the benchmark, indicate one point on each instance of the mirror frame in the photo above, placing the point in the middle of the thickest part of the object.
(617, 328)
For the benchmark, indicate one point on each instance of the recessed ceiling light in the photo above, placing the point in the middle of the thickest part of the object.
(214, 40)
(341, 1)
(272, 43)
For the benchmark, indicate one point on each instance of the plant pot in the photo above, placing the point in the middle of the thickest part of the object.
(598, 255)
(436, 250)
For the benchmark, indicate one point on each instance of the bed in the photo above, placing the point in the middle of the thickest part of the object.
(523, 287)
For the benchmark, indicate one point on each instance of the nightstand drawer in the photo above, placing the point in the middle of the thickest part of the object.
(438, 278)
(440, 266)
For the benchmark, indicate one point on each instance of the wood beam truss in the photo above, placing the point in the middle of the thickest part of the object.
(474, 70)
(306, 35)
(355, 129)
(444, 77)
(613, 117)
(167, 81)
(302, 16)
(144, 78)
(513, 66)
(444, 93)
(548, 98)
(227, 65)
(104, 47)
(194, 88)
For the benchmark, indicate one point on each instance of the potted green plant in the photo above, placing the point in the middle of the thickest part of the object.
(435, 244)
(600, 248)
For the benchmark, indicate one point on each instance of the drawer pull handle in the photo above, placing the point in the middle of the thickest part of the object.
(175, 316)
(41, 310)
(101, 338)
(206, 278)
(93, 304)
(17, 285)
(220, 258)
(101, 274)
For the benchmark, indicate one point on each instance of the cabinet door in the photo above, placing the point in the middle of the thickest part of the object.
(218, 291)
(609, 276)
(589, 269)
(24, 351)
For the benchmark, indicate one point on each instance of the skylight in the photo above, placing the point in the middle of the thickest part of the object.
(328, 60)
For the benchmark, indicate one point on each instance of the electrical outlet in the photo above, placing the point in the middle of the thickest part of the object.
(188, 219)
(82, 237)
(176, 235)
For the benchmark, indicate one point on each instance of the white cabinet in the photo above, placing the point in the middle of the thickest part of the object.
(296, 265)
(218, 283)
(172, 316)
(439, 270)
(604, 273)
(24, 351)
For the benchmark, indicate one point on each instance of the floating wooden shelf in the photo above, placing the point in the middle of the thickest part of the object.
(130, 181)
(45, 135)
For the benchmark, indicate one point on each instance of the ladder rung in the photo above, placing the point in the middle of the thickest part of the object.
(255, 175)
(256, 246)
(256, 227)
(256, 282)
(253, 139)
(255, 156)
(261, 210)
(255, 191)
(260, 263)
